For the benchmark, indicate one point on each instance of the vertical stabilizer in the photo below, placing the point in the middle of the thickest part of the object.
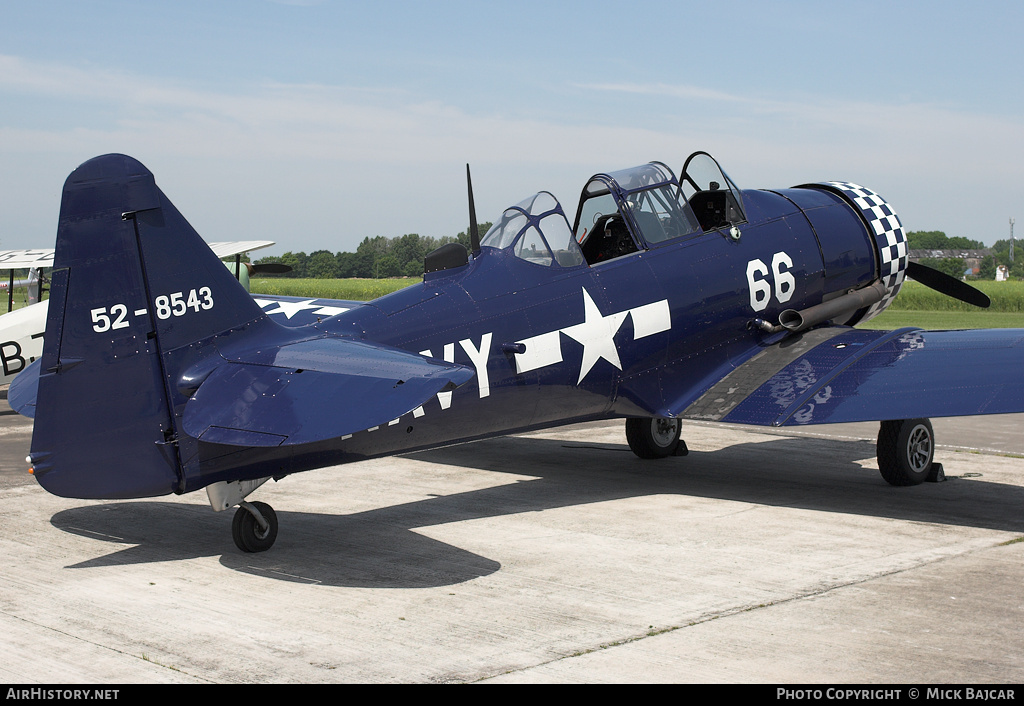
(132, 283)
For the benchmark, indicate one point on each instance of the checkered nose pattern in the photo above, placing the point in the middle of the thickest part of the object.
(890, 239)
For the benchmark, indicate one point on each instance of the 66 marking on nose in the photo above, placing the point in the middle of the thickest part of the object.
(165, 306)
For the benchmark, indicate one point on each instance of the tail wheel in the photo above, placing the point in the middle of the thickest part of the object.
(653, 437)
(906, 448)
(249, 533)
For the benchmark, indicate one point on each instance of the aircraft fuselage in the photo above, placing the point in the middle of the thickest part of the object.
(586, 342)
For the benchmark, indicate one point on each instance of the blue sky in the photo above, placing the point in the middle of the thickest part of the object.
(316, 124)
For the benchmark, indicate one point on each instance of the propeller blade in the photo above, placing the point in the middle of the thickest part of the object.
(950, 286)
(271, 268)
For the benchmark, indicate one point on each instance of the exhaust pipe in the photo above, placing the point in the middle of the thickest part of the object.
(796, 321)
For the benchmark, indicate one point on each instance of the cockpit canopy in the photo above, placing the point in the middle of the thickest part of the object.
(619, 213)
(537, 229)
(715, 200)
(631, 209)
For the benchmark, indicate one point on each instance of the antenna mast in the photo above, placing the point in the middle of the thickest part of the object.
(474, 231)
(1011, 241)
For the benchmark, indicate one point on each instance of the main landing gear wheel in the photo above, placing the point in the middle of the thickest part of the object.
(254, 527)
(654, 437)
(906, 448)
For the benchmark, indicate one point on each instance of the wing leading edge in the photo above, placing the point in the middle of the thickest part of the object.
(835, 375)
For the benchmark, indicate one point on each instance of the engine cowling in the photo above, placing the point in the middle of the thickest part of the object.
(890, 239)
(860, 244)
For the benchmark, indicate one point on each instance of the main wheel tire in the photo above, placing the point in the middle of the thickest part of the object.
(653, 437)
(247, 533)
(905, 450)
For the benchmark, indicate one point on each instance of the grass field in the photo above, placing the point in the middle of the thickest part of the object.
(941, 320)
(1005, 296)
(916, 305)
(20, 300)
(352, 289)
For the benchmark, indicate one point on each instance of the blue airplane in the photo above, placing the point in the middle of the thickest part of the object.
(664, 299)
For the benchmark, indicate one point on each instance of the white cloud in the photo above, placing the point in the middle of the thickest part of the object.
(315, 145)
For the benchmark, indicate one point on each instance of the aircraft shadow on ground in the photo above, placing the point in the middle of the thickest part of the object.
(381, 547)
(370, 550)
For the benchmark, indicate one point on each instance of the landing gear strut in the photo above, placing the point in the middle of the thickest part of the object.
(905, 450)
(254, 527)
(655, 437)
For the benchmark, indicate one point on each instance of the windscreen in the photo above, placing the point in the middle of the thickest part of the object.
(660, 214)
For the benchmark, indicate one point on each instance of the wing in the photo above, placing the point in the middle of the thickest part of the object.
(848, 375)
(313, 390)
(25, 259)
(36, 258)
(237, 247)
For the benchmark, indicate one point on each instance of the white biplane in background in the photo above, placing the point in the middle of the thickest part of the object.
(21, 330)
(35, 261)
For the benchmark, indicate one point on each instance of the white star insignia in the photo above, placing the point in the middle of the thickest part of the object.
(290, 309)
(596, 333)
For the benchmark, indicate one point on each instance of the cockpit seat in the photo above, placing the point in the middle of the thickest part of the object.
(709, 207)
(609, 239)
(650, 226)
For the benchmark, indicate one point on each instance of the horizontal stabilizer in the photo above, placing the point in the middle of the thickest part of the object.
(313, 390)
(850, 375)
(21, 395)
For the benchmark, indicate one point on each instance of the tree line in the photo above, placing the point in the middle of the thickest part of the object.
(402, 256)
(955, 267)
(375, 258)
